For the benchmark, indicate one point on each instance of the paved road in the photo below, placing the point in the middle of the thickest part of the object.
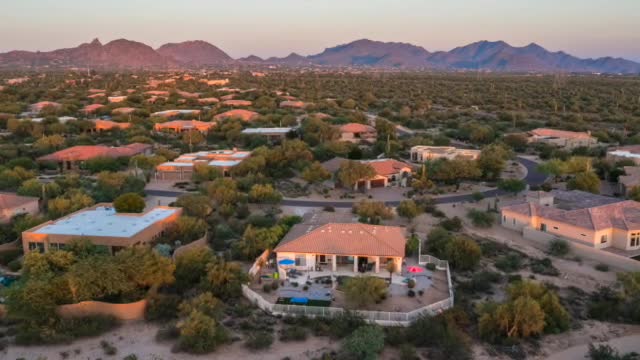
(533, 178)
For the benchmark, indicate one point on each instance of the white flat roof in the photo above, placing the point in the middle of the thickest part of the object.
(277, 130)
(624, 153)
(175, 163)
(224, 163)
(104, 221)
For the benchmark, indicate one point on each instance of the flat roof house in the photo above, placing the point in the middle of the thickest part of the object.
(39, 106)
(356, 133)
(593, 220)
(343, 247)
(182, 167)
(107, 125)
(179, 126)
(175, 113)
(71, 158)
(562, 138)
(12, 205)
(631, 152)
(422, 153)
(629, 180)
(272, 134)
(103, 226)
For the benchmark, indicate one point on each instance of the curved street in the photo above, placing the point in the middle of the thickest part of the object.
(533, 178)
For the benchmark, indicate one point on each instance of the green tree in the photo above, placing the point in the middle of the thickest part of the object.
(366, 343)
(372, 211)
(204, 172)
(463, 253)
(513, 186)
(492, 160)
(129, 203)
(353, 171)
(192, 138)
(586, 181)
(408, 209)
(224, 279)
(195, 205)
(264, 194)
(315, 173)
(200, 333)
(363, 291)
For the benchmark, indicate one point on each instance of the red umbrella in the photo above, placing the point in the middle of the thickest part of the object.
(415, 269)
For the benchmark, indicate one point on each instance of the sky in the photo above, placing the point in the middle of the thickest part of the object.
(585, 28)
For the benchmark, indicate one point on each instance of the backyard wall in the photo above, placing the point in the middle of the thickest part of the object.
(130, 311)
(202, 242)
(542, 239)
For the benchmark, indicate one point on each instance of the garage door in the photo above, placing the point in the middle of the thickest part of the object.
(377, 183)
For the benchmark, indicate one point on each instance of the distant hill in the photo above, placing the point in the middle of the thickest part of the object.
(194, 53)
(495, 56)
(115, 54)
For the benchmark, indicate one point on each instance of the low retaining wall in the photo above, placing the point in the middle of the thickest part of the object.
(259, 263)
(130, 311)
(542, 239)
(14, 245)
(202, 242)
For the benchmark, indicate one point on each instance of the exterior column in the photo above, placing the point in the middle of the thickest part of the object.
(368, 184)
(355, 264)
(398, 262)
(334, 263)
(377, 264)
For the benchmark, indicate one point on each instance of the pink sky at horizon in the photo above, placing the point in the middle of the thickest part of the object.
(587, 28)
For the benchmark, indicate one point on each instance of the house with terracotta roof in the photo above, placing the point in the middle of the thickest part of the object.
(175, 113)
(182, 168)
(343, 247)
(107, 125)
(12, 205)
(387, 172)
(90, 109)
(216, 82)
(244, 115)
(293, 104)
(592, 220)
(123, 111)
(562, 138)
(116, 99)
(356, 133)
(179, 126)
(420, 153)
(103, 226)
(237, 103)
(208, 100)
(72, 158)
(39, 106)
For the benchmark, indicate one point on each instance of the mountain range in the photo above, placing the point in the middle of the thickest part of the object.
(497, 56)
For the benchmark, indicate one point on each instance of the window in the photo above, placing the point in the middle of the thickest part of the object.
(635, 239)
(555, 228)
(504, 219)
(603, 239)
(301, 260)
(36, 246)
(322, 259)
(543, 227)
(514, 221)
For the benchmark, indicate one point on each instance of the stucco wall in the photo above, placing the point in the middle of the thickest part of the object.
(202, 242)
(130, 311)
(581, 250)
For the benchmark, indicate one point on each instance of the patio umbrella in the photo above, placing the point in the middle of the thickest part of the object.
(286, 262)
(415, 269)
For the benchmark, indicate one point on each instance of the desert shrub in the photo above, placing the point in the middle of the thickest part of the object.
(411, 293)
(463, 253)
(344, 324)
(167, 332)
(395, 335)
(161, 307)
(108, 348)
(558, 247)
(606, 352)
(62, 330)
(200, 333)
(481, 282)
(365, 290)
(480, 219)
(544, 267)
(602, 267)
(365, 343)
(266, 288)
(293, 333)
(8, 256)
(509, 263)
(408, 352)
(431, 266)
(259, 340)
(452, 224)
(131, 357)
(441, 335)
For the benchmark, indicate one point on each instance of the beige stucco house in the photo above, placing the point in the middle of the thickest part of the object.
(562, 138)
(350, 247)
(423, 153)
(592, 220)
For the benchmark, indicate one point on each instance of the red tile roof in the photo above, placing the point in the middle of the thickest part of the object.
(245, 115)
(86, 152)
(347, 239)
(356, 128)
(91, 108)
(386, 167)
(237, 103)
